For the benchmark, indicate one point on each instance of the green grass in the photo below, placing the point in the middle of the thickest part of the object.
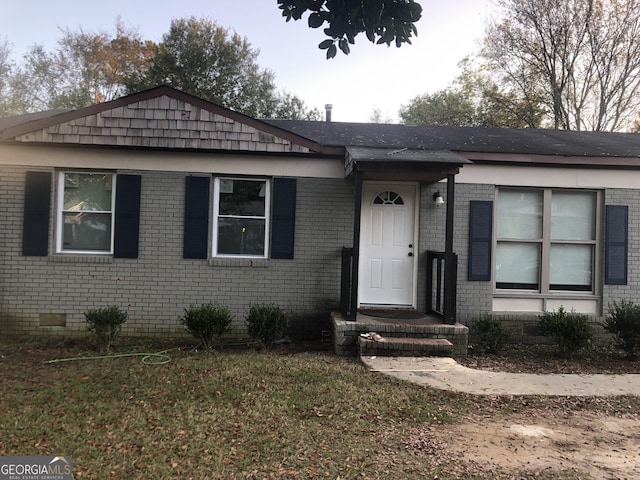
(229, 414)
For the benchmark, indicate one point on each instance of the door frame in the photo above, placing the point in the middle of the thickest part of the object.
(416, 236)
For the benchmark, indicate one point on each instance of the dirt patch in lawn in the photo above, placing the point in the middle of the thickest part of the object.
(518, 434)
(603, 446)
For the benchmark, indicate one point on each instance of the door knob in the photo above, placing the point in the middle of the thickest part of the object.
(411, 254)
(411, 245)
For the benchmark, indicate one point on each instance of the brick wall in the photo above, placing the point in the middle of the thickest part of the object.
(472, 297)
(630, 290)
(475, 297)
(39, 294)
(157, 286)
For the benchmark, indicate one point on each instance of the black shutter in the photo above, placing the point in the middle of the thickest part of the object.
(127, 216)
(616, 244)
(283, 218)
(196, 217)
(480, 240)
(37, 205)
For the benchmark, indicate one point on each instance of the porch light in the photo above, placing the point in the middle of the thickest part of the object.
(437, 199)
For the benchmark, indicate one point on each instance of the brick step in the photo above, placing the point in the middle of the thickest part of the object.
(374, 344)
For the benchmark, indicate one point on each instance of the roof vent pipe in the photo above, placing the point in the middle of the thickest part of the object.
(327, 109)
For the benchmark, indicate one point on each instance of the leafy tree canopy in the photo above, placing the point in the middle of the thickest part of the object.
(199, 57)
(206, 60)
(472, 100)
(382, 21)
(85, 68)
(195, 55)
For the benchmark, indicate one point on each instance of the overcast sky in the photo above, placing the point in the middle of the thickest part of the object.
(370, 77)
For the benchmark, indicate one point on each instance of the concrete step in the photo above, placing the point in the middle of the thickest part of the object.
(375, 344)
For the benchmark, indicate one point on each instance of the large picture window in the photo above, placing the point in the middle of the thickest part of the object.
(85, 212)
(241, 210)
(545, 240)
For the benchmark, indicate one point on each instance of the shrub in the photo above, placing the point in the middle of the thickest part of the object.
(207, 322)
(105, 323)
(489, 333)
(570, 330)
(266, 323)
(624, 322)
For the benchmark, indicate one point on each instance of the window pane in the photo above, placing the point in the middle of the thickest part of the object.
(518, 265)
(573, 216)
(520, 214)
(87, 231)
(241, 236)
(388, 198)
(242, 197)
(87, 192)
(571, 267)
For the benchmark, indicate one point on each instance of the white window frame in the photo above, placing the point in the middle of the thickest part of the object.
(60, 212)
(216, 216)
(545, 243)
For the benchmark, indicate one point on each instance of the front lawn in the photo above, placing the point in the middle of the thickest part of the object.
(226, 414)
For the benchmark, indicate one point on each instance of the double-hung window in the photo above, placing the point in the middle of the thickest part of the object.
(546, 240)
(241, 217)
(85, 212)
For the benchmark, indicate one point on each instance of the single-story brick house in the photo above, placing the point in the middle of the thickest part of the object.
(160, 200)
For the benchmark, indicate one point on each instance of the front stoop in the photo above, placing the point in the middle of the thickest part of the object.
(346, 335)
(404, 347)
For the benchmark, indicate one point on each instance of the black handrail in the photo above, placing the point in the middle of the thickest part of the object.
(438, 301)
(346, 283)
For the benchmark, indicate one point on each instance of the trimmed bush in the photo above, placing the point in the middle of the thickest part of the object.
(489, 334)
(569, 330)
(106, 324)
(207, 322)
(624, 322)
(266, 323)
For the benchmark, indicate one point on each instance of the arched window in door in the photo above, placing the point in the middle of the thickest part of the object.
(388, 198)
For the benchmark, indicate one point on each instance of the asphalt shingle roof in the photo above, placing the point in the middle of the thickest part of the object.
(467, 139)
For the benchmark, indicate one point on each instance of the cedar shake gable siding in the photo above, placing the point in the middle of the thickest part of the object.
(160, 118)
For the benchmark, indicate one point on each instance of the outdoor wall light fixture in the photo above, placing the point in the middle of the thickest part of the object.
(437, 199)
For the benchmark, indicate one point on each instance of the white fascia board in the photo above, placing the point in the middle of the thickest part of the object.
(526, 176)
(174, 161)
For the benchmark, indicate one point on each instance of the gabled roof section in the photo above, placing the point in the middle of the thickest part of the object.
(161, 117)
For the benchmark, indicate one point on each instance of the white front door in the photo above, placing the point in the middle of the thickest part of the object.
(387, 244)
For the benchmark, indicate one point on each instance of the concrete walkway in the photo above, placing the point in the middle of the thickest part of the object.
(447, 374)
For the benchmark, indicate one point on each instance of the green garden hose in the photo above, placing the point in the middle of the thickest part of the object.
(157, 358)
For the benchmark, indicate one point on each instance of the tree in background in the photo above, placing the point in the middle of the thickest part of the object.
(201, 58)
(471, 100)
(382, 21)
(579, 60)
(445, 107)
(195, 56)
(291, 107)
(86, 68)
(378, 117)
(8, 100)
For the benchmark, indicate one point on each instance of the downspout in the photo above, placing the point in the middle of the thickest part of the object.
(357, 212)
(450, 263)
